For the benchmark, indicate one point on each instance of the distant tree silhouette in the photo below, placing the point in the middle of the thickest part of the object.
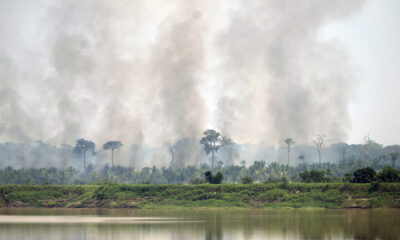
(212, 141)
(289, 142)
(81, 147)
(112, 145)
(319, 143)
(394, 156)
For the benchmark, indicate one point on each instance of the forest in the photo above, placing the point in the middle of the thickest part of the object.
(187, 161)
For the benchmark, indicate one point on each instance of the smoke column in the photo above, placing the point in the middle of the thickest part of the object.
(153, 72)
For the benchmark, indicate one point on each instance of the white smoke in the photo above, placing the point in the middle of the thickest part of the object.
(151, 72)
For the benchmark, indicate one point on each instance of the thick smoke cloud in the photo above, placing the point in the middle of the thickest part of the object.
(279, 79)
(153, 72)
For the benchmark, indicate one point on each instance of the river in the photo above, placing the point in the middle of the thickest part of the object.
(104, 224)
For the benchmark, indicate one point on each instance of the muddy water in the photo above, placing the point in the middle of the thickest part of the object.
(88, 224)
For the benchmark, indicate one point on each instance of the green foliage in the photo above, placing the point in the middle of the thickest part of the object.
(274, 195)
(106, 191)
(270, 195)
(197, 181)
(217, 179)
(364, 175)
(375, 186)
(247, 180)
(388, 174)
(312, 176)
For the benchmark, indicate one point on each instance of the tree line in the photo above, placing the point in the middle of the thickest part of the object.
(259, 171)
(349, 158)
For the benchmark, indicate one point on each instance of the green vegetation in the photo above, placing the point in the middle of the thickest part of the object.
(210, 178)
(364, 175)
(389, 174)
(269, 195)
(312, 176)
(247, 180)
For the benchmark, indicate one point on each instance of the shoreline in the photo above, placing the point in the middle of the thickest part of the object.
(204, 196)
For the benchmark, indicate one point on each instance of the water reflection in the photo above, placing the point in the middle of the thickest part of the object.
(88, 224)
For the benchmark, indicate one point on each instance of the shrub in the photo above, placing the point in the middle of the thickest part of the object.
(247, 180)
(312, 176)
(364, 175)
(217, 179)
(375, 186)
(197, 181)
(388, 174)
(347, 177)
(106, 191)
(274, 195)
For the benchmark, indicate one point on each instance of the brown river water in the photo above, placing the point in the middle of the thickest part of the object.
(102, 224)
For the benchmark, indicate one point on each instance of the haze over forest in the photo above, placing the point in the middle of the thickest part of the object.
(156, 74)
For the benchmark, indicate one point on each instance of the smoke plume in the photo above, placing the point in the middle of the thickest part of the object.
(154, 72)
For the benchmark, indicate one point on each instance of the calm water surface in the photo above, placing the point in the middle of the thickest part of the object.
(88, 224)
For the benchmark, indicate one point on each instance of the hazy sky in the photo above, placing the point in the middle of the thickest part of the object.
(372, 39)
(150, 72)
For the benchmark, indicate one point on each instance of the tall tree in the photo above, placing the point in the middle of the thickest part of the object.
(319, 143)
(212, 141)
(366, 143)
(81, 147)
(171, 150)
(341, 147)
(112, 145)
(289, 142)
(394, 156)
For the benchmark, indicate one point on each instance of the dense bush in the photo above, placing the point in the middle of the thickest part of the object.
(217, 179)
(197, 181)
(312, 176)
(247, 180)
(364, 175)
(388, 174)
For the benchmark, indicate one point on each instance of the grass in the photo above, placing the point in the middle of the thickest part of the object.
(145, 196)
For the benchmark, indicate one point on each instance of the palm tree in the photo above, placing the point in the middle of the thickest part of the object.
(289, 142)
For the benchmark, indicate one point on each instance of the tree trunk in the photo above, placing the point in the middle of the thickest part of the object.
(112, 158)
(288, 156)
(84, 161)
(319, 156)
(212, 159)
(343, 156)
(172, 157)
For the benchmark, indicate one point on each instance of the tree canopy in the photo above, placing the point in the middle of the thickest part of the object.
(112, 145)
(212, 141)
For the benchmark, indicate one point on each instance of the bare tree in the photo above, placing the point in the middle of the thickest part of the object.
(319, 143)
(342, 148)
(289, 142)
(171, 150)
(366, 143)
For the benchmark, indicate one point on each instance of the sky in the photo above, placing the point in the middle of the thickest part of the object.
(153, 72)
(371, 37)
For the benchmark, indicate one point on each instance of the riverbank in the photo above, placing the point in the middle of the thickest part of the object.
(273, 195)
